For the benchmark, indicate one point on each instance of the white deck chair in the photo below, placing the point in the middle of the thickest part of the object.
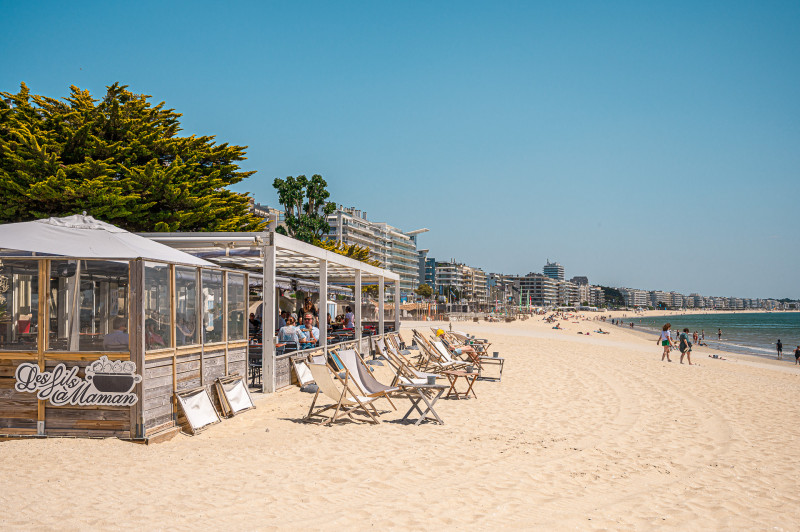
(363, 378)
(347, 401)
(445, 360)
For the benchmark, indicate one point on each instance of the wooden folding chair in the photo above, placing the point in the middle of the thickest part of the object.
(346, 400)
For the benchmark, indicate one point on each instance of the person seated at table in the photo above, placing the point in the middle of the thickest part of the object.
(255, 325)
(118, 338)
(289, 333)
(309, 334)
(152, 339)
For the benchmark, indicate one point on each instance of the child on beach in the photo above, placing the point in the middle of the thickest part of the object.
(665, 341)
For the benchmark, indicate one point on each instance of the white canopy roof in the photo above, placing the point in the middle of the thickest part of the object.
(82, 236)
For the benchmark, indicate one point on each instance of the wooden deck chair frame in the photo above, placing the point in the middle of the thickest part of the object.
(346, 390)
(181, 397)
(366, 393)
(222, 394)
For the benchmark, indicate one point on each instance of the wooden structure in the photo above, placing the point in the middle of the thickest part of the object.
(78, 307)
(69, 324)
(270, 255)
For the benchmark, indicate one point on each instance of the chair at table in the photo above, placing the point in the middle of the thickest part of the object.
(347, 400)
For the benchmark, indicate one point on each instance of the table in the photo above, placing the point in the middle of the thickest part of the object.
(417, 393)
(453, 377)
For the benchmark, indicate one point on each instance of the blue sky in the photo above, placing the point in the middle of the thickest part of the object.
(643, 144)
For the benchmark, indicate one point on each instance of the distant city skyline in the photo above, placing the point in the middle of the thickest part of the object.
(642, 145)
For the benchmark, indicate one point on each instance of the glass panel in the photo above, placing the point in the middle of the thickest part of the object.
(236, 317)
(212, 306)
(186, 310)
(88, 305)
(156, 306)
(19, 305)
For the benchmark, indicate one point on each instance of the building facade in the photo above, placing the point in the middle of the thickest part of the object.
(394, 249)
(553, 270)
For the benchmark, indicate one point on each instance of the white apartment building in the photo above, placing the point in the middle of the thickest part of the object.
(634, 297)
(474, 280)
(394, 249)
(568, 293)
(538, 290)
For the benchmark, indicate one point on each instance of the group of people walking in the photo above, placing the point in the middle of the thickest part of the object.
(684, 344)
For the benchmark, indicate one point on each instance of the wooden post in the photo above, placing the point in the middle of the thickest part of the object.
(323, 305)
(41, 335)
(357, 310)
(397, 306)
(136, 340)
(381, 298)
(225, 313)
(268, 316)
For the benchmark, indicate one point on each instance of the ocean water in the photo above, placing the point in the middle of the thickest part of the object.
(753, 333)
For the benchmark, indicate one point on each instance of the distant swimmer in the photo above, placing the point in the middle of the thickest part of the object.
(779, 345)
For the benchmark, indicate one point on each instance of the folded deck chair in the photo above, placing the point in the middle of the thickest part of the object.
(304, 376)
(362, 376)
(346, 400)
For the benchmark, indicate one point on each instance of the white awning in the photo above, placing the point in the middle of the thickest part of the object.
(82, 236)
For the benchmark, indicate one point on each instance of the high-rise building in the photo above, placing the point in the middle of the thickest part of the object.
(394, 249)
(553, 270)
(580, 280)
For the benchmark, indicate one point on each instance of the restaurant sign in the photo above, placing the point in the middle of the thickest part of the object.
(106, 383)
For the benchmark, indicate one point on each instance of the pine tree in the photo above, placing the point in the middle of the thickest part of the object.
(120, 159)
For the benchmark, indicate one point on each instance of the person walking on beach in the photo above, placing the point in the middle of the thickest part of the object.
(685, 346)
(797, 355)
(666, 341)
(779, 345)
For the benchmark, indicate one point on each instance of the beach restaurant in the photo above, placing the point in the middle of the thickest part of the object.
(281, 263)
(102, 329)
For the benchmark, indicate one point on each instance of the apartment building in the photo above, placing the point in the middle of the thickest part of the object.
(553, 270)
(394, 249)
(538, 290)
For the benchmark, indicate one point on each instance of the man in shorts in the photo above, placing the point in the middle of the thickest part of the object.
(797, 355)
(779, 345)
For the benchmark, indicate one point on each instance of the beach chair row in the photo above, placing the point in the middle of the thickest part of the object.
(345, 378)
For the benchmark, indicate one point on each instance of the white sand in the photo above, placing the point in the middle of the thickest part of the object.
(583, 432)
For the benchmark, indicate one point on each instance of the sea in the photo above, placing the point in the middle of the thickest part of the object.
(750, 333)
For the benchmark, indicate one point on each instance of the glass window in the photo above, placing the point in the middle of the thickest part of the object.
(19, 305)
(236, 315)
(156, 306)
(88, 305)
(212, 306)
(186, 311)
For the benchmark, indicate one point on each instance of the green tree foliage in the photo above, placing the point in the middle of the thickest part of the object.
(306, 207)
(306, 210)
(120, 159)
(424, 290)
(613, 296)
(353, 251)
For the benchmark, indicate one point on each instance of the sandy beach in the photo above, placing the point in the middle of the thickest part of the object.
(586, 432)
